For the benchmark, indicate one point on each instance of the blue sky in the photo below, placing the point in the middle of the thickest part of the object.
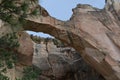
(62, 9)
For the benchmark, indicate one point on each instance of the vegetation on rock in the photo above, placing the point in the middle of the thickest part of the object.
(30, 73)
(14, 12)
(8, 56)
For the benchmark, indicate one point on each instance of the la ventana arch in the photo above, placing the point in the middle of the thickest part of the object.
(91, 31)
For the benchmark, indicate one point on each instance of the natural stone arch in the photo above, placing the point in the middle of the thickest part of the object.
(91, 31)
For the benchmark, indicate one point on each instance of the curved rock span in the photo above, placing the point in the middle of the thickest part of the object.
(91, 31)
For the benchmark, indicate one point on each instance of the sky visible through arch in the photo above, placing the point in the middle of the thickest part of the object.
(62, 9)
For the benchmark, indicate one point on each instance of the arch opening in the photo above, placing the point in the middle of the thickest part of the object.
(40, 34)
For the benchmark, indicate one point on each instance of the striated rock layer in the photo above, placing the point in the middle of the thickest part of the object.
(92, 32)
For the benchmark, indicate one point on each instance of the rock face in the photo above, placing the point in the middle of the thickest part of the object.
(92, 32)
(25, 49)
(4, 28)
(61, 63)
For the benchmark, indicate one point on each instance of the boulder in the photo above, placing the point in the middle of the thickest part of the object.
(25, 50)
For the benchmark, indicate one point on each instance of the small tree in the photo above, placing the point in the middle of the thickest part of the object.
(14, 11)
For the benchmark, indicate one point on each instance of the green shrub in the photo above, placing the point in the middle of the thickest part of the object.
(30, 73)
(8, 55)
